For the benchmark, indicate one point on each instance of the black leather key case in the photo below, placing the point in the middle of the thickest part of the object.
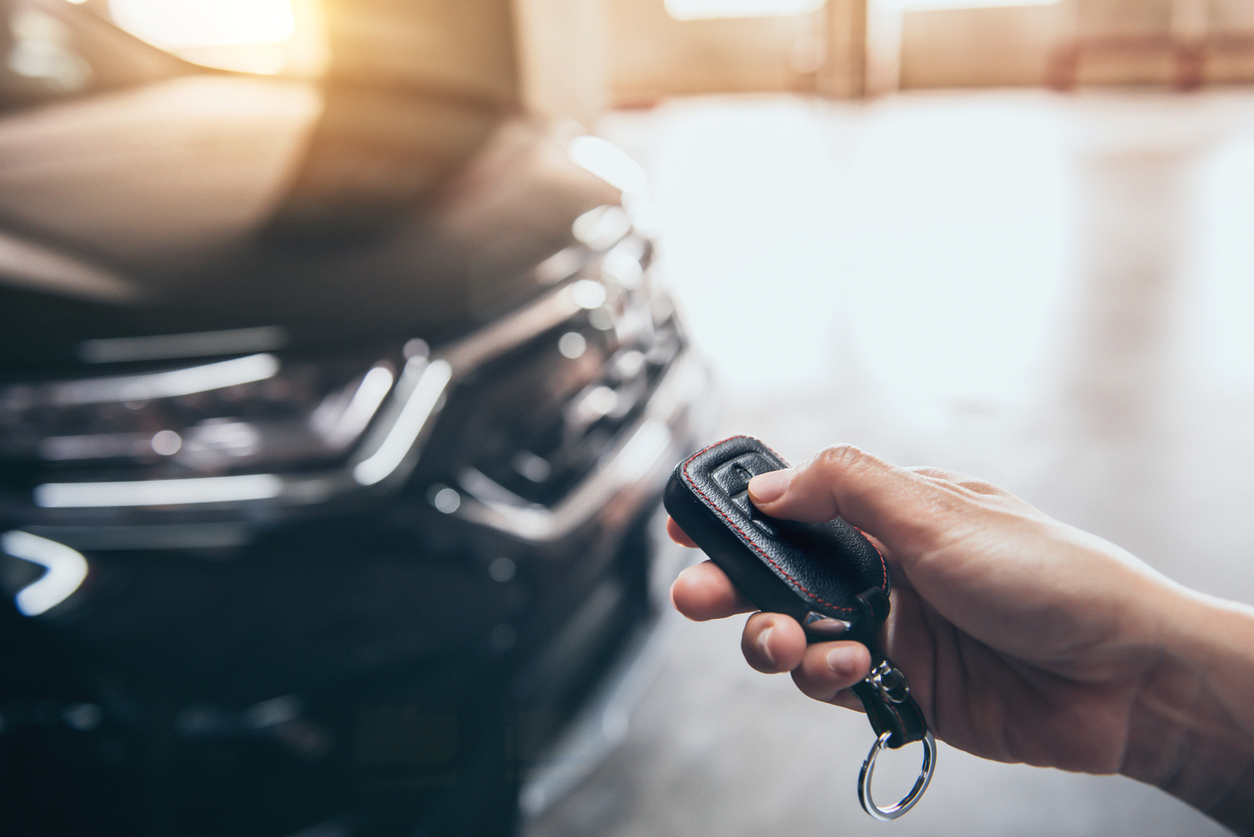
(827, 576)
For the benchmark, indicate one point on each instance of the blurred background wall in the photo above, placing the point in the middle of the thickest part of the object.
(582, 58)
(851, 48)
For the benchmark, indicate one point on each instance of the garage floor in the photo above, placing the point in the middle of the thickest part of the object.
(1054, 293)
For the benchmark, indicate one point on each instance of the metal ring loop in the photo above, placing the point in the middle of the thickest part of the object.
(892, 812)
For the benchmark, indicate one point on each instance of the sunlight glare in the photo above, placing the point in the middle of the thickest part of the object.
(918, 5)
(177, 24)
(698, 9)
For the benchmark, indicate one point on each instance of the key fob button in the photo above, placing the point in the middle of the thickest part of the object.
(756, 517)
(734, 476)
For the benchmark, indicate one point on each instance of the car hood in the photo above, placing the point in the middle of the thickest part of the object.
(214, 201)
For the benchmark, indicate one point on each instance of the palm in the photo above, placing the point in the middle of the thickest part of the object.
(1009, 685)
(998, 707)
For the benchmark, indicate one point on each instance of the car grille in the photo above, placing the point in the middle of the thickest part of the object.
(536, 421)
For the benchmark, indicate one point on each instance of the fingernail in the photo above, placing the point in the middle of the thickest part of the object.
(764, 647)
(842, 660)
(767, 488)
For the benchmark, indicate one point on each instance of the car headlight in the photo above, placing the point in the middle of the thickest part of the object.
(215, 431)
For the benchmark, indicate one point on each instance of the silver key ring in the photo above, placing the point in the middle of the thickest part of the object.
(892, 812)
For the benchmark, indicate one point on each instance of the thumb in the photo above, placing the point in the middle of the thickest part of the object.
(889, 502)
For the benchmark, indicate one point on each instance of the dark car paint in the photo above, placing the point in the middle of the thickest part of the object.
(107, 181)
(354, 666)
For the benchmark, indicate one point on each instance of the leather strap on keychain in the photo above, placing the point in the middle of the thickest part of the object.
(895, 717)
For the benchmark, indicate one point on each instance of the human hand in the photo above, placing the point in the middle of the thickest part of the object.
(1024, 639)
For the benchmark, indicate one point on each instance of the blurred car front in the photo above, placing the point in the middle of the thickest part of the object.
(328, 481)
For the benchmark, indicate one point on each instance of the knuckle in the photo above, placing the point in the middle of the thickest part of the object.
(843, 458)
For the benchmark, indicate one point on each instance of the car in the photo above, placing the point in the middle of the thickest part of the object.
(331, 448)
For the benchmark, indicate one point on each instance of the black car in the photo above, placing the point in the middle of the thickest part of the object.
(333, 424)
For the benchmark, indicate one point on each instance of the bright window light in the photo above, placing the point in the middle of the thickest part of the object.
(251, 36)
(177, 24)
(913, 5)
(696, 9)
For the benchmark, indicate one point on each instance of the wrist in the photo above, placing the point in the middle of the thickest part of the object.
(1191, 723)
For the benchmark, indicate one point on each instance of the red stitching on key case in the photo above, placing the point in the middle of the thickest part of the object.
(693, 485)
(883, 563)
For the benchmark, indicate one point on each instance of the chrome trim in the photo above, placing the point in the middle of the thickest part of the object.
(430, 383)
(387, 452)
(171, 384)
(525, 324)
(364, 405)
(148, 493)
(151, 536)
(650, 448)
(178, 346)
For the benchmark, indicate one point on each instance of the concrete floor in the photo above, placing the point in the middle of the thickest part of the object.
(1053, 293)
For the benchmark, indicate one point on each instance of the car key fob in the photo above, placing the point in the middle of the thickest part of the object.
(827, 576)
